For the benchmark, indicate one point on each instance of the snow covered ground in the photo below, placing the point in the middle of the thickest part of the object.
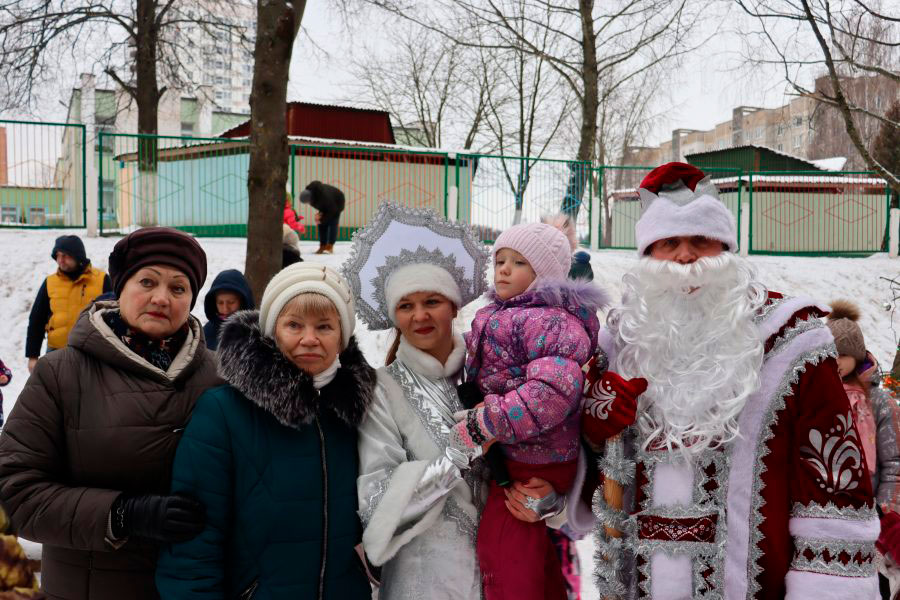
(26, 262)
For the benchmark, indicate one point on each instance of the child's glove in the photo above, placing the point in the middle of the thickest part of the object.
(470, 432)
(610, 404)
(889, 539)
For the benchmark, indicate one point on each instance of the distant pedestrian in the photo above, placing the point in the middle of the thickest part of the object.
(581, 266)
(228, 294)
(62, 297)
(329, 201)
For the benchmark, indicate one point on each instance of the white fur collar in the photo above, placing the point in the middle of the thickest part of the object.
(427, 365)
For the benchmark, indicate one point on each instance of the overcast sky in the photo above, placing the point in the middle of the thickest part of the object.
(712, 79)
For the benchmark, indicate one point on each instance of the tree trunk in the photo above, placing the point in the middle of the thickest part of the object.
(277, 26)
(590, 102)
(146, 95)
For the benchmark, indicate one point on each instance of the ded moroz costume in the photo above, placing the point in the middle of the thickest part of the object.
(755, 485)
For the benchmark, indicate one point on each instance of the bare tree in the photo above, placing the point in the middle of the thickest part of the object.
(528, 104)
(142, 46)
(277, 27)
(428, 84)
(844, 40)
(626, 116)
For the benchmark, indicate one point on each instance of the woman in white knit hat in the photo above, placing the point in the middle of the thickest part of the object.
(273, 454)
(419, 500)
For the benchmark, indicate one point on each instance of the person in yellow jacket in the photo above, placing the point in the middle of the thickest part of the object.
(62, 297)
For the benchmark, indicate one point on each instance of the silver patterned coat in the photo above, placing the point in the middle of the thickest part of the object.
(419, 511)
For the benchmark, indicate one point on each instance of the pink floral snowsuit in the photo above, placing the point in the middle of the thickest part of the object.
(526, 355)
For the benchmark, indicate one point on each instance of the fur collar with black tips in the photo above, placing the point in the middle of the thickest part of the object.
(254, 365)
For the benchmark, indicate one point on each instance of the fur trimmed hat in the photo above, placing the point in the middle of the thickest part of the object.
(422, 277)
(678, 199)
(547, 246)
(307, 277)
(848, 337)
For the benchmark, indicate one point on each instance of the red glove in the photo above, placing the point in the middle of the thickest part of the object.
(889, 539)
(610, 404)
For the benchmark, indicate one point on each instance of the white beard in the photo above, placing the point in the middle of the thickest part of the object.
(688, 330)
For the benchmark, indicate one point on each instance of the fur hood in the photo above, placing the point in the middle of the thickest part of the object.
(578, 296)
(254, 365)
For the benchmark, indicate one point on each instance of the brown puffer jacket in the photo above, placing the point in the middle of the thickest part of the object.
(93, 421)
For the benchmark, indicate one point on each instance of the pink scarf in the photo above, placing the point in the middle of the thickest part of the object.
(865, 422)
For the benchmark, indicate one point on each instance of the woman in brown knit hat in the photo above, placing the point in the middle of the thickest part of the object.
(85, 458)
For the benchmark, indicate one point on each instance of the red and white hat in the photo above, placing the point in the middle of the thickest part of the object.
(678, 199)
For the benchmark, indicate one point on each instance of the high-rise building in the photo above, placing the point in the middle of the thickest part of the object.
(219, 57)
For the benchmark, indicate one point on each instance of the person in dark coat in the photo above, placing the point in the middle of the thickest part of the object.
(581, 266)
(86, 454)
(228, 294)
(62, 296)
(329, 201)
(273, 454)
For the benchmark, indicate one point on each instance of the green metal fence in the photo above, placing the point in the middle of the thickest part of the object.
(816, 213)
(195, 184)
(200, 185)
(42, 174)
(368, 177)
(496, 192)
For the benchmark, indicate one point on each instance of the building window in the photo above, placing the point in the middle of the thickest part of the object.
(9, 214)
(721, 144)
(798, 121)
(878, 101)
(779, 131)
(798, 141)
(759, 133)
(37, 215)
(187, 129)
(780, 147)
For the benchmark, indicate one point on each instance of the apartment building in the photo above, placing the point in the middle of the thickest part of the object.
(220, 59)
(802, 127)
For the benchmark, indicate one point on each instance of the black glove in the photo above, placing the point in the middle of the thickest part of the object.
(469, 396)
(175, 518)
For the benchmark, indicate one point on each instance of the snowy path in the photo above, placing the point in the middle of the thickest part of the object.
(27, 262)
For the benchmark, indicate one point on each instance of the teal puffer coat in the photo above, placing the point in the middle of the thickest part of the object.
(275, 463)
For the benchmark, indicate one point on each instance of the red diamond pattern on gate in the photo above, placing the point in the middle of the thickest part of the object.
(867, 211)
(684, 529)
(769, 213)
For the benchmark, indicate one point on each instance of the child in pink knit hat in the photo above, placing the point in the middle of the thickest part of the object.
(524, 357)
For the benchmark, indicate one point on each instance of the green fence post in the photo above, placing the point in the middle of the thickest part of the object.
(446, 181)
(457, 161)
(100, 183)
(590, 205)
(750, 220)
(602, 202)
(83, 175)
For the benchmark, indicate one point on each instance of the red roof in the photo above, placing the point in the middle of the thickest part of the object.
(333, 122)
